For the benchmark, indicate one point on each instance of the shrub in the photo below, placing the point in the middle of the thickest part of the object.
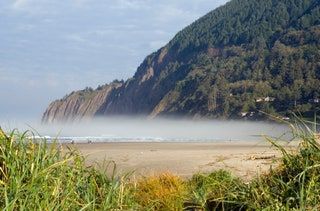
(163, 192)
(216, 191)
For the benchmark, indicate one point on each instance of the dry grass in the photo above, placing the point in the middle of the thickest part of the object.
(163, 192)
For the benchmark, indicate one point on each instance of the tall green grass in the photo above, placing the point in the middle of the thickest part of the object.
(295, 184)
(39, 176)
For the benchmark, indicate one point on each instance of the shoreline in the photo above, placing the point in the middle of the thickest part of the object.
(245, 159)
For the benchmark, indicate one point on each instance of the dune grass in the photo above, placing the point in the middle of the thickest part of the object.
(162, 192)
(36, 176)
(39, 176)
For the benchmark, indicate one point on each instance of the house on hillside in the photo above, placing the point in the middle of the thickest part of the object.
(269, 99)
(315, 100)
(247, 114)
(244, 114)
(259, 100)
(265, 99)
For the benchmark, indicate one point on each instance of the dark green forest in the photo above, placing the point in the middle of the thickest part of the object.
(249, 56)
(241, 60)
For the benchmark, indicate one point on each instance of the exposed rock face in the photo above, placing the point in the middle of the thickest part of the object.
(142, 93)
(218, 67)
(79, 105)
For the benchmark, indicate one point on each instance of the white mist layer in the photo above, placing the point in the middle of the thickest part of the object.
(158, 130)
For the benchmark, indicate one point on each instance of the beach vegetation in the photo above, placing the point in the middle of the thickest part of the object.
(163, 192)
(35, 175)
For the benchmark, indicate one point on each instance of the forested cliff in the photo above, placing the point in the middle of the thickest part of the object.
(244, 57)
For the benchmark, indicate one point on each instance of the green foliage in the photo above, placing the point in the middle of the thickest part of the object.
(295, 185)
(36, 176)
(244, 51)
(215, 191)
(223, 64)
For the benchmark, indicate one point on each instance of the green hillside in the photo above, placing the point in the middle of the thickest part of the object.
(244, 57)
(246, 51)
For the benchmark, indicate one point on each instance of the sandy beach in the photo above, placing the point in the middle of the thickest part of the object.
(243, 159)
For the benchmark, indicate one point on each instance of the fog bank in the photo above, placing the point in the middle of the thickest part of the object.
(158, 130)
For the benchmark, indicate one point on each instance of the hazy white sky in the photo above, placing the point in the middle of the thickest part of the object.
(51, 47)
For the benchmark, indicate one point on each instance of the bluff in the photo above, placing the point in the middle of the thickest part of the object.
(241, 58)
(80, 104)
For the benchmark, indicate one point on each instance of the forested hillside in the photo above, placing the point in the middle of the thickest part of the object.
(242, 58)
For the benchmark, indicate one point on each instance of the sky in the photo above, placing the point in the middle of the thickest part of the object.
(49, 48)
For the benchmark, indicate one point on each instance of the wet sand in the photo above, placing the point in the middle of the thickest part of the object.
(244, 159)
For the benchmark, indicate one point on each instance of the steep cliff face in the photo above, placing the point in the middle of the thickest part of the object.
(154, 78)
(78, 105)
(224, 65)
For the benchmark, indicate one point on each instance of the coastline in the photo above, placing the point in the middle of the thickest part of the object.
(245, 159)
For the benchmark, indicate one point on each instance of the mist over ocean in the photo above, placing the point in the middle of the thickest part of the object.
(121, 129)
